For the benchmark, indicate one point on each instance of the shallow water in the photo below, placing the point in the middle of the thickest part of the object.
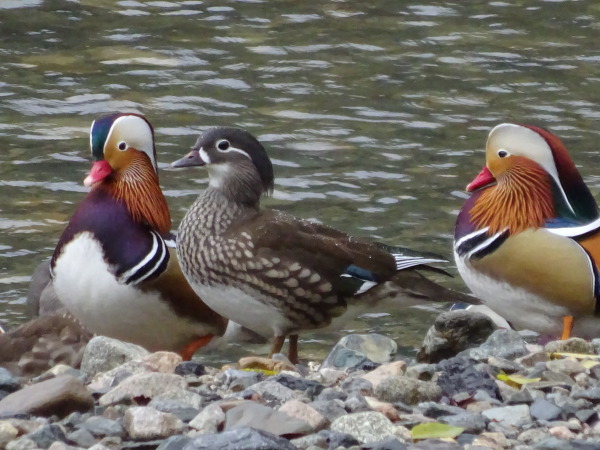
(375, 115)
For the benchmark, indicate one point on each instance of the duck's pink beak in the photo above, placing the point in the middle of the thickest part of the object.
(484, 178)
(100, 170)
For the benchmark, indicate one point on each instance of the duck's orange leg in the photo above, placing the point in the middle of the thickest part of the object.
(188, 351)
(567, 327)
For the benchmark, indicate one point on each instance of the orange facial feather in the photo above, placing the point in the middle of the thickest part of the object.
(138, 188)
(521, 199)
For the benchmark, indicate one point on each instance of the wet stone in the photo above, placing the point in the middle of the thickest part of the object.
(361, 351)
(453, 332)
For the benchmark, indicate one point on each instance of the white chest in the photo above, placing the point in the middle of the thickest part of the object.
(86, 285)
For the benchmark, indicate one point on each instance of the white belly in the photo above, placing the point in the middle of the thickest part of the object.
(87, 287)
(244, 309)
(523, 309)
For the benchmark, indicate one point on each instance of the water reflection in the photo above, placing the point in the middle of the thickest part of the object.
(375, 113)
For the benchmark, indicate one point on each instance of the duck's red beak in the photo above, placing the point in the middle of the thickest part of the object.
(484, 178)
(100, 170)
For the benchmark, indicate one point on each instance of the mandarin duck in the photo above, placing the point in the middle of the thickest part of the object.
(527, 241)
(271, 272)
(115, 267)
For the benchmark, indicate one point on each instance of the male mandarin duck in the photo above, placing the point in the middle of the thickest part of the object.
(269, 271)
(527, 241)
(115, 268)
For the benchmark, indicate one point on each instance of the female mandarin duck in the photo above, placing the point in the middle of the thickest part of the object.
(114, 268)
(271, 272)
(527, 242)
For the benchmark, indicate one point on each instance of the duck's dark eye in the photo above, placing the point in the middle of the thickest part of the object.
(122, 146)
(502, 153)
(223, 144)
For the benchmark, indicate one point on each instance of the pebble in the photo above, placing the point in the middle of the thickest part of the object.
(157, 401)
(365, 427)
(145, 423)
(357, 351)
(410, 391)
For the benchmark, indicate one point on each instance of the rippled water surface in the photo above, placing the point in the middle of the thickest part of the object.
(375, 113)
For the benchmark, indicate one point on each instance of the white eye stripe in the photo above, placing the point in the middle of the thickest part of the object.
(234, 149)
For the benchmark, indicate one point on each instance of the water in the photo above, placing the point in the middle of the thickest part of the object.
(375, 113)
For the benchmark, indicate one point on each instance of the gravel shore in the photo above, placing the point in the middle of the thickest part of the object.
(471, 387)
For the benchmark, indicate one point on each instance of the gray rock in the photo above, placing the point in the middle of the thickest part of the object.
(183, 396)
(8, 382)
(517, 415)
(239, 439)
(424, 372)
(507, 344)
(453, 332)
(23, 443)
(144, 422)
(301, 411)
(82, 438)
(389, 444)
(310, 387)
(56, 396)
(336, 439)
(148, 385)
(522, 396)
(459, 375)
(355, 349)
(46, 435)
(100, 426)
(592, 394)
(274, 393)
(435, 410)
(471, 422)
(332, 394)
(180, 409)
(542, 409)
(407, 390)
(356, 403)
(238, 380)
(572, 345)
(174, 443)
(103, 354)
(366, 427)
(567, 366)
(330, 409)
(435, 444)
(255, 415)
(357, 385)
(208, 420)
(312, 441)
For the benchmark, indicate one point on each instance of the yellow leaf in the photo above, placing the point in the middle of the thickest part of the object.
(574, 355)
(433, 430)
(588, 363)
(516, 381)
